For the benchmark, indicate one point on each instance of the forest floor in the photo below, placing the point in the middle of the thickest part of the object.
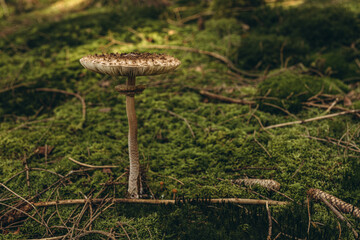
(263, 92)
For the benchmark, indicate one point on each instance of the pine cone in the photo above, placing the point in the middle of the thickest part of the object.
(267, 183)
(336, 202)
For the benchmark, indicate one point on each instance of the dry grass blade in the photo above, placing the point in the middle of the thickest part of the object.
(91, 166)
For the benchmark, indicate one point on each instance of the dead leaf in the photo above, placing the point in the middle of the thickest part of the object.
(105, 110)
(41, 150)
(107, 170)
(347, 101)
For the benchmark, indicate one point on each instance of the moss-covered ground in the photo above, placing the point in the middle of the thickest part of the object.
(301, 62)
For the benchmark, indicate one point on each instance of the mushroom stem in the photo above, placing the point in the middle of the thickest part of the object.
(134, 175)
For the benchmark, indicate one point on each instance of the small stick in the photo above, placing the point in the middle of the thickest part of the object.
(91, 166)
(176, 180)
(254, 168)
(178, 116)
(127, 235)
(270, 221)
(16, 86)
(154, 201)
(226, 99)
(280, 108)
(50, 238)
(312, 119)
(339, 215)
(33, 206)
(211, 54)
(68, 93)
(31, 122)
(46, 153)
(308, 210)
(331, 106)
(317, 194)
(352, 147)
(27, 171)
(262, 146)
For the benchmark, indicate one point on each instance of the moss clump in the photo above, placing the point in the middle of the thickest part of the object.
(289, 90)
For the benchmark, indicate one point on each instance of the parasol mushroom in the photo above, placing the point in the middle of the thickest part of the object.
(131, 65)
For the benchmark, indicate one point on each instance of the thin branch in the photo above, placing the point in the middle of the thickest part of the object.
(212, 54)
(178, 116)
(313, 119)
(339, 215)
(270, 221)
(33, 206)
(68, 93)
(154, 201)
(226, 99)
(91, 166)
(280, 108)
(262, 146)
(16, 86)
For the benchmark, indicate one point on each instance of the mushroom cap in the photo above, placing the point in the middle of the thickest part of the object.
(130, 64)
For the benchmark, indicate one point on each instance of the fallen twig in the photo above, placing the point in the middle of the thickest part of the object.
(212, 54)
(312, 119)
(251, 168)
(349, 146)
(178, 116)
(31, 122)
(16, 86)
(91, 166)
(338, 215)
(262, 146)
(29, 203)
(270, 221)
(68, 93)
(225, 99)
(154, 201)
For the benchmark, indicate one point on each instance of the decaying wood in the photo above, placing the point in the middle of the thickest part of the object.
(317, 194)
(266, 183)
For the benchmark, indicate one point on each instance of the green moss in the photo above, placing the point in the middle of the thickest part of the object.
(46, 55)
(289, 90)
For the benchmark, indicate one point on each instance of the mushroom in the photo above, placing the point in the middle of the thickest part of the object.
(131, 65)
